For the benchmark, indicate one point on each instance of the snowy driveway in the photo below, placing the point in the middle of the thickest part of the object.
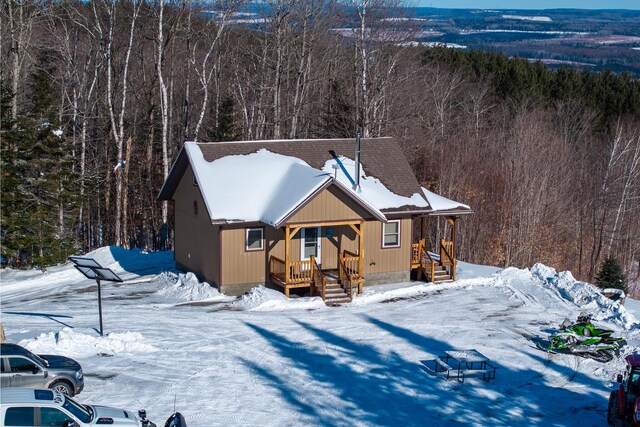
(225, 363)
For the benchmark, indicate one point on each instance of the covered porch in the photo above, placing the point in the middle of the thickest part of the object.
(435, 264)
(322, 262)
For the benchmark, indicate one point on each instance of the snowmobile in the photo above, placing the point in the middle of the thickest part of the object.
(584, 339)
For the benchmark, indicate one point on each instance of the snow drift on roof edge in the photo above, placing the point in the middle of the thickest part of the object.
(372, 190)
(440, 203)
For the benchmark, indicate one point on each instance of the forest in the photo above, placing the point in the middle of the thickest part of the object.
(97, 98)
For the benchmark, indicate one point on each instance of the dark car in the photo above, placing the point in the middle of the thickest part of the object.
(22, 368)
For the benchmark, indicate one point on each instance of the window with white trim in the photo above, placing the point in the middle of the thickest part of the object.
(391, 234)
(254, 239)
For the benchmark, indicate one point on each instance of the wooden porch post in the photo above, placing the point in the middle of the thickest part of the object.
(360, 255)
(452, 221)
(287, 233)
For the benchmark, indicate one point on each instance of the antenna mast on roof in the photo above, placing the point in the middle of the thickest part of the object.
(356, 186)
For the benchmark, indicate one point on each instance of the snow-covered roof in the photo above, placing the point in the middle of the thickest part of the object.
(262, 186)
(372, 190)
(439, 203)
(268, 181)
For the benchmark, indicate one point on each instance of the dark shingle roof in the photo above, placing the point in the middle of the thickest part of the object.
(380, 157)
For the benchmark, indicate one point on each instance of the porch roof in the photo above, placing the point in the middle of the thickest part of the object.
(443, 206)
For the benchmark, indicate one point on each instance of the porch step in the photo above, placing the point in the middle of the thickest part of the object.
(440, 274)
(337, 301)
(333, 289)
(334, 294)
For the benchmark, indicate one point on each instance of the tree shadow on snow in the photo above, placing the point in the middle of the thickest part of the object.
(357, 383)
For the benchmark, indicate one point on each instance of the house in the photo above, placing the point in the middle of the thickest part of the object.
(315, 214)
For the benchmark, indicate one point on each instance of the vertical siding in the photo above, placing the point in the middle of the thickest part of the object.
(378, 260)
(196, 241)
(238, 265)
(275, 242)
(330, 205)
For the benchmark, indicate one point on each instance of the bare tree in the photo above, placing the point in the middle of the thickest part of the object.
(205, 70)
(117, 115)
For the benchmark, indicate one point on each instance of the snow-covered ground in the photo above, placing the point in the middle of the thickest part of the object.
(265, 360)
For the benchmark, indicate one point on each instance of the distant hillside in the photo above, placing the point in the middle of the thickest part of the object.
(587, 39)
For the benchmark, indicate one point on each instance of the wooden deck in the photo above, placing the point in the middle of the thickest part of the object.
(335, 286)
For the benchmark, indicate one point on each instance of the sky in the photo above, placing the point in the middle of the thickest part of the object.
(532, 4)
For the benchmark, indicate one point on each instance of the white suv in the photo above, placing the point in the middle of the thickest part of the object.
(43, 407)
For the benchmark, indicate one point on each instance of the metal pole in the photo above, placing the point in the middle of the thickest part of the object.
(357, 177)
(100, 306)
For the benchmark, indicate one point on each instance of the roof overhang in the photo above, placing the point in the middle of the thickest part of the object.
(453, 212)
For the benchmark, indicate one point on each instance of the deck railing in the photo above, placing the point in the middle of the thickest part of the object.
(447, 259)
(300, 271)
(416, 253)
(351, 263)
(428, 263)
(277, 268)
(319, 281)
(346, 278)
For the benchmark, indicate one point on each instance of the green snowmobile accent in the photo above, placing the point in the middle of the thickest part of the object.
(583, 338)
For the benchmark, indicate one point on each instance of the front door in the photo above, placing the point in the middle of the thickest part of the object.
(310, 244)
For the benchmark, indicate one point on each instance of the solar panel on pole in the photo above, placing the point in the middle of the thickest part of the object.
(92, 269)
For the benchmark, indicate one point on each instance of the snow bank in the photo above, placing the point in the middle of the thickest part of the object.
(263, 299)
(586, 296)
(119, 258)
(186, 287)
(67, 342)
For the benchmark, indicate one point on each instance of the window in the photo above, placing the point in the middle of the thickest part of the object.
(3, 369)
(391, 234)
(254, 238)
(76, 409)
(19, 417)
(53, 417)
(18, 364)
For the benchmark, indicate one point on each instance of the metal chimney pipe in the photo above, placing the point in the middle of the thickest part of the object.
(357, 177)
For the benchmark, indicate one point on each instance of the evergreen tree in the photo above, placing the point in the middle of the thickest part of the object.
(611, 276)
(225, 128)
(37, 186)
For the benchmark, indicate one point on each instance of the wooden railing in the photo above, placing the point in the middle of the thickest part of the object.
(319, 281)
(346, 278)
(426, 261)
(447, 259)
(351, 263)
(416, 253)
(277, 268)
(300, 271)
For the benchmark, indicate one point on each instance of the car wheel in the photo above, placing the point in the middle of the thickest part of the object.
(62, 387)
